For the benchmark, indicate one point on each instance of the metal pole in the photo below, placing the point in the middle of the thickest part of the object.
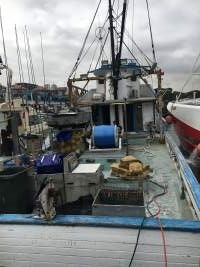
(126, 128)
(160, 104)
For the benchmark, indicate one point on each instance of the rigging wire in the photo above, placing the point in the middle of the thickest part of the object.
(102, 49)
(95, 51)
(84, 43)
(86, 52)
(129, 50)
(147, 59)
(152, 42)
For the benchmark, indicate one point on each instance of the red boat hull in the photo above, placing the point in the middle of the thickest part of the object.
(188, 136)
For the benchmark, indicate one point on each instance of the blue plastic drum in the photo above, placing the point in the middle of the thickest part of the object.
(105, 136)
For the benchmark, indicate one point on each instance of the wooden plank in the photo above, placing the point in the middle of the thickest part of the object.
(119, 247)
(102, 234)
(29, 253)
(89, 246)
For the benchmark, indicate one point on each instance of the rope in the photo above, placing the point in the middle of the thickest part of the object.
(83, 46)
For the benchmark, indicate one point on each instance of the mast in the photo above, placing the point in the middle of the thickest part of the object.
(118, 56)
(116, 59)
(42, 58)
(26, 54)
(30, 56)
(112, 43)
(21, 74)
(8, 71)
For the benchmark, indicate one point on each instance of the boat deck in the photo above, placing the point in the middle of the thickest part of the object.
(85, 240)
(173, 204)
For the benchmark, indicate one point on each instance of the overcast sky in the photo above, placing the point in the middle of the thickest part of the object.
(64, 23)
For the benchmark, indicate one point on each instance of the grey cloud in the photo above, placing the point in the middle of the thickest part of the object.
(64, 23)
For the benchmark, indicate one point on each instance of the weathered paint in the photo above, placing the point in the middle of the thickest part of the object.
(103, 221)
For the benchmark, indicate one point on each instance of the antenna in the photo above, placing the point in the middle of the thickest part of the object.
(42, 58)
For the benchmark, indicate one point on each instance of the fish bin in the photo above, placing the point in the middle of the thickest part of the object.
(119, 202)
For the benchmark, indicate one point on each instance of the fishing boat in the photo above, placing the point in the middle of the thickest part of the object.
(112, 193)
(22, 127)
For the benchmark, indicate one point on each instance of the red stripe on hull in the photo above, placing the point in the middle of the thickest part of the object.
(188, 136)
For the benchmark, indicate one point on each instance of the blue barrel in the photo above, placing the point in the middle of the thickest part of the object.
(105, 136)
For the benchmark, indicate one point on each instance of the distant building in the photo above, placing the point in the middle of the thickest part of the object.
(39, 93)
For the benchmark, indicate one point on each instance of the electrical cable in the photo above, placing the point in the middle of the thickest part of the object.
(156, 215)
(154, 198)
(137, 240)
(164, 242)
